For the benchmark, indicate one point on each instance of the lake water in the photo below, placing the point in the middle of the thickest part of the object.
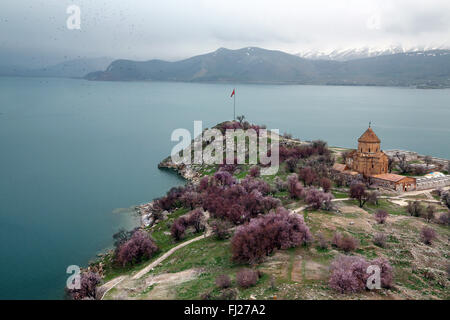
(73, 152)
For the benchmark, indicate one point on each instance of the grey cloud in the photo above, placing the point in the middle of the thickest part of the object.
(172, 29)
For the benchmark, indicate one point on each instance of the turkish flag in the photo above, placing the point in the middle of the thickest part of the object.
(232, 94)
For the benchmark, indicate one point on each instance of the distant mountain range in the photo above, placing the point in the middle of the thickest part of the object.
(363, 52)
(429, 68)
(77, 68)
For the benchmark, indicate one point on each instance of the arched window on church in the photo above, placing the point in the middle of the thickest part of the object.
(369, 149)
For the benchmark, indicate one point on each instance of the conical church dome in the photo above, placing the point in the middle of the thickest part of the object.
(369, 137)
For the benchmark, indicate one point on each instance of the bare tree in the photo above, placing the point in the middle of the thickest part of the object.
(402, 163)
(372, 197)
(345, 155)
(358, 191)
(240, 118)
(429, 213)
(414, 208)
(391, 164)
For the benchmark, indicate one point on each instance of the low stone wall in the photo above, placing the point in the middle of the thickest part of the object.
(432, 183)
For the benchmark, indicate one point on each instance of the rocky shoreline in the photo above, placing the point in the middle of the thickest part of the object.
(150, 216)
(188, 172)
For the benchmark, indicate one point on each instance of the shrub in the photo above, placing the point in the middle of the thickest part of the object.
(88, 287)
(428, 235)
(387, 272)
(273, 284)
(325, 183)
(207, 295)
(140, 246)
(262, 235)
(339, 180)
(445, 198)
(195, 219)
(121, 237)
(231, 168)
(444, 218)
(255, 171)
(318, 199)
(291, 164)
(414, 208)
(223, 281)
(224, 178)
(190, 199)
(280, 185)
(349, 273)
(220, 229)
(228, 294)
(246, 278)
(171, 200)
(429, 213)
(346, 242)
(379, 239)
(237, 202)
(349, 243)
(372, 197)
(381, 216)
(321, 241)
(337, 239)
(327, 203)
(294, 187)
(178, 229)
(307, 175)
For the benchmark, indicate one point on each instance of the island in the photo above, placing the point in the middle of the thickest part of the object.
(314, 230)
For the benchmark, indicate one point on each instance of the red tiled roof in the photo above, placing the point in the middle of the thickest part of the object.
(389, 177)
(369, 136)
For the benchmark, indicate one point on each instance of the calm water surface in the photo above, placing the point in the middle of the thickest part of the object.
(73, 153)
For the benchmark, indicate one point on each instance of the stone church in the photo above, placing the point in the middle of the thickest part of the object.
(372, 163)
(368, 159)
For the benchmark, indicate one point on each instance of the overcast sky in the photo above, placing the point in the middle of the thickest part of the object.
(174, 29)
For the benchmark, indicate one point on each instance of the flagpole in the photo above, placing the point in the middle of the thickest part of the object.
(234, 105)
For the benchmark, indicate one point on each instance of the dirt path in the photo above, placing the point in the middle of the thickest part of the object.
(110, 284)
(166, 255)
(114, 282)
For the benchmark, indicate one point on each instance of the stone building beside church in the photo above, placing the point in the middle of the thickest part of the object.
(371, 162)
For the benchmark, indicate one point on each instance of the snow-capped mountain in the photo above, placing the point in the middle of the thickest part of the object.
(360, 53)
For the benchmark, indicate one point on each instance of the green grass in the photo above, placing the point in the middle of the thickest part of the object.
(212, 256)
(208, 170)
(339, 195)
(383, 204)
(163, 241)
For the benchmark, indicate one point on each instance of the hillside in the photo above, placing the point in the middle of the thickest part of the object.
(188, 267)
(256, 65)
